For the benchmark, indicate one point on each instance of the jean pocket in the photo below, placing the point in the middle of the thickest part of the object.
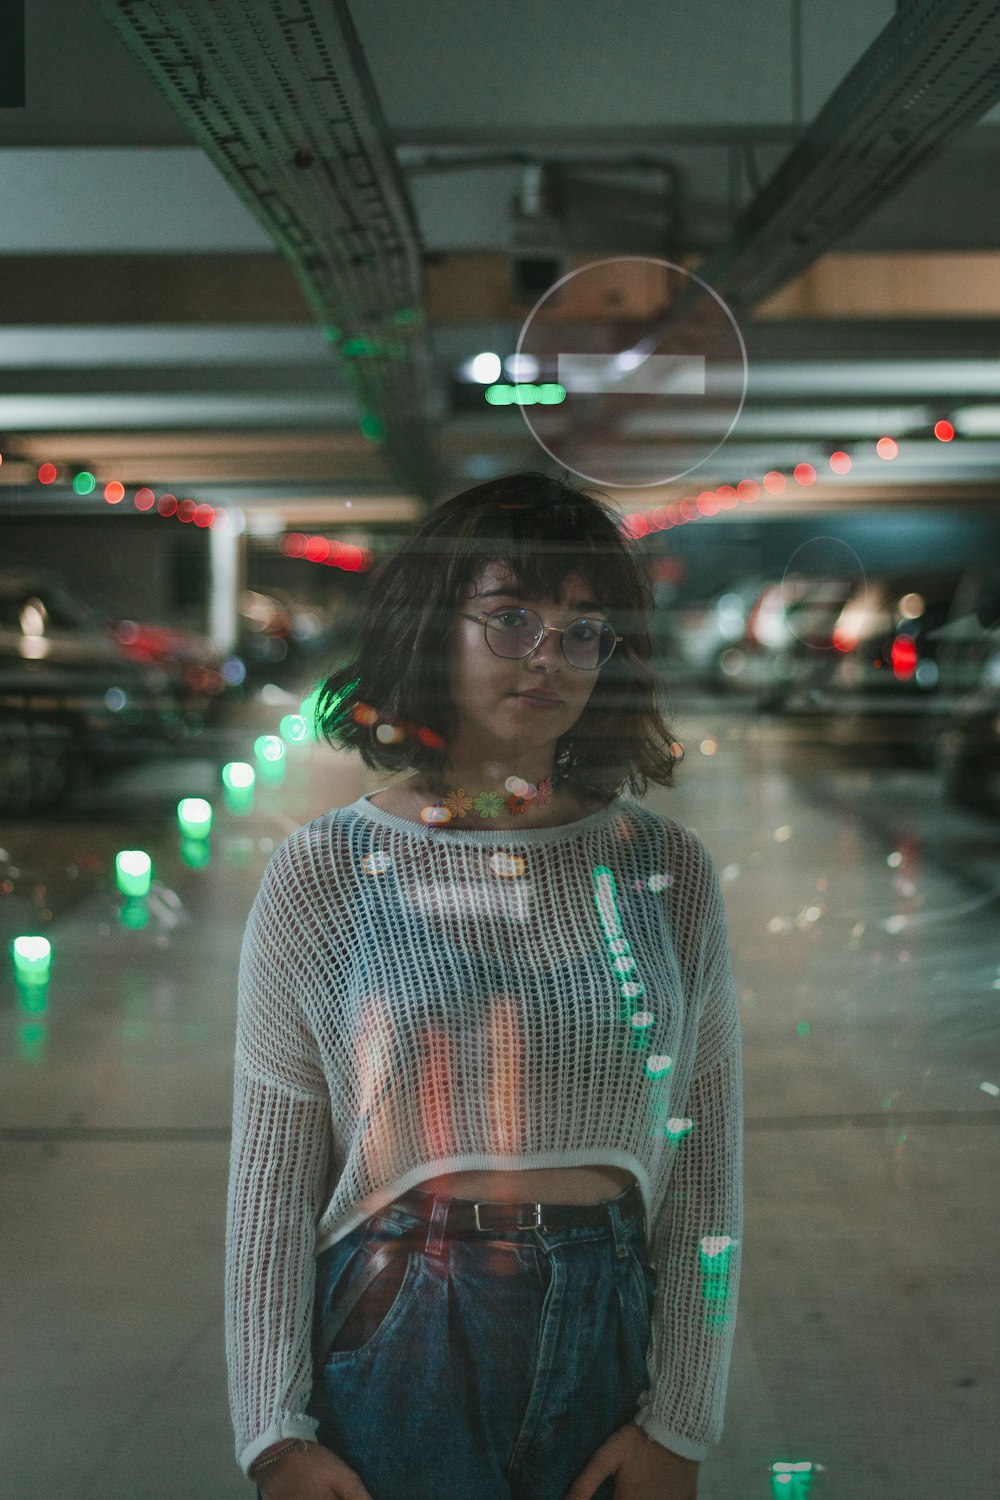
(365, 1300)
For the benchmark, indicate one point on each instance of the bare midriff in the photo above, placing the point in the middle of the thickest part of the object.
(534, 1185)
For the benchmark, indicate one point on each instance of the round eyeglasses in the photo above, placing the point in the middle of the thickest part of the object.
(516, 632)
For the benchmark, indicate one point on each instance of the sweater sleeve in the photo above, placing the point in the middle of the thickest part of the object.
(279, 1159)
(697, 1236)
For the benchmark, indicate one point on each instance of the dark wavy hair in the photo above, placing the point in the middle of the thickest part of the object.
(542, 530)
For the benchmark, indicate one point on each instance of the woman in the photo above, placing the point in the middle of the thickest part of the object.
(484, 1205)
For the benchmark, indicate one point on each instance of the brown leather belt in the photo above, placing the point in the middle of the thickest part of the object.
(467, 1217)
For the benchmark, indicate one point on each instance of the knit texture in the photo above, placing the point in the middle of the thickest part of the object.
(414, 1001)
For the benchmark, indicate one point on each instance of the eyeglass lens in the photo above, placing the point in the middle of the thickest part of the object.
(515, 632)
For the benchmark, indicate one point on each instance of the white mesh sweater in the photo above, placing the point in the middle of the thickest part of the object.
(417, 1000)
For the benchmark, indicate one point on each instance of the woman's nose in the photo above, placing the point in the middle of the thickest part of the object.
(549, 647)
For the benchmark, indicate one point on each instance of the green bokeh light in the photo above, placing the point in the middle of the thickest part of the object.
(526, 394)
(32, 957)
(194, 815)
(238, 776)
(294, 729)
(133, 872)
(269, 748)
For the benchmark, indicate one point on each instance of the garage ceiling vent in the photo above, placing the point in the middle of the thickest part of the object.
(279, 97)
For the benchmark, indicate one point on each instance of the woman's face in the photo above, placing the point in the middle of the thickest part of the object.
(484, 685)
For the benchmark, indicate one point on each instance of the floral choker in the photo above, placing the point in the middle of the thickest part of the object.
(457, 804)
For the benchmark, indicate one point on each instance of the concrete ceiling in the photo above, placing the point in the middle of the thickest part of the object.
(152, 332)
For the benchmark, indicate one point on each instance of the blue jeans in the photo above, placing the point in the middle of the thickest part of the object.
(488, 1367)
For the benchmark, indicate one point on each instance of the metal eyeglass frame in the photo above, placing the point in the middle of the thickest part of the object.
(505, 609)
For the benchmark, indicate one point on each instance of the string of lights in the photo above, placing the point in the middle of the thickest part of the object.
(354, 559)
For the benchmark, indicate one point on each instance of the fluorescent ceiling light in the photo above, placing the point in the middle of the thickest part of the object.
(114, 412)
(840, 423)
(83, 346)
(977, 421)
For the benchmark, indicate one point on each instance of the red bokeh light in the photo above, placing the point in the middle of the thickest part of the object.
(428, 737)
(805, 474)
(186, 511)
(944, 431)
(144, 499)
(774, 483)
(747, 489)
(167, 505)
(887, 447)
(904, 656)
(840, 462)
(204, 515)
(47, 474)
(114, 493)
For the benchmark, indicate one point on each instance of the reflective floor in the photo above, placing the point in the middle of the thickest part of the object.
(864, 919)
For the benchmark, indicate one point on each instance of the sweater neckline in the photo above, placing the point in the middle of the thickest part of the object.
(365, 808)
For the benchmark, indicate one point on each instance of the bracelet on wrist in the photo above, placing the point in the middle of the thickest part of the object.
(274, 1454)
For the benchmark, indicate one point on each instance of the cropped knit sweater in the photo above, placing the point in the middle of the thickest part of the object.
(419, 1000)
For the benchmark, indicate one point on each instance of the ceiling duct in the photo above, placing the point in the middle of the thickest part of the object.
(927, 78)
(279, 97)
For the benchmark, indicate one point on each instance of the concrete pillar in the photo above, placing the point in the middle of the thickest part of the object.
(226, 548)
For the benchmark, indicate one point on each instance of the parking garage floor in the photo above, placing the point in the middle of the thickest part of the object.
(863, 915)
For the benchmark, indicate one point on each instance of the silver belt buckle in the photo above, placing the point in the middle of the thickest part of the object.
(536, 1225)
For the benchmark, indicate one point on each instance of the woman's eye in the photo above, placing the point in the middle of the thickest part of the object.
(510, 617)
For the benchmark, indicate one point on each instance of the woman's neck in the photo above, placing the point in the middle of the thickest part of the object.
(475, 775)
(564, 806)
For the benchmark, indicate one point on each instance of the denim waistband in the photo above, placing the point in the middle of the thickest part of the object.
(461, 1217)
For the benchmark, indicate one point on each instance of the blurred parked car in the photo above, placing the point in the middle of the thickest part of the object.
(77, 685)
(882, 665)
(693, 634)
(786, 640)
(278, 631)
(967, 746)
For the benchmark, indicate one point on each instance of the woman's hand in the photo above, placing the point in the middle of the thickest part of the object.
(643, 1469)
(311, 1474)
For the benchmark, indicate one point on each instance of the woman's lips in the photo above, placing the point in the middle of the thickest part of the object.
(536, 700)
